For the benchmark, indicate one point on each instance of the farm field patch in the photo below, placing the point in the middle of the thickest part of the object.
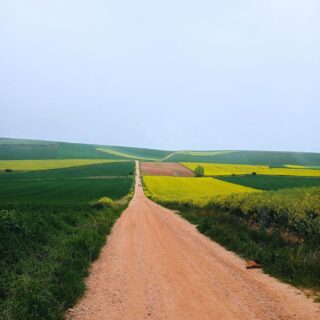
(27, 165)
(125, 155)
(111, 169)
(165, 169)
(186, 189)
(271, 182)
(70, 185)
(217, 169)
(62, 191)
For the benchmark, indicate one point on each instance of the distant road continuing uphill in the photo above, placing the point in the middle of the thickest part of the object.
(157, 266)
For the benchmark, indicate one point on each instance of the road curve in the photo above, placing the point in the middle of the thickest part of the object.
(156, 266)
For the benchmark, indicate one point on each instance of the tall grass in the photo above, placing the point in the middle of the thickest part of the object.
(45, 253)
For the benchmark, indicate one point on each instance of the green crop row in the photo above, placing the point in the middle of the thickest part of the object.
(263, 182)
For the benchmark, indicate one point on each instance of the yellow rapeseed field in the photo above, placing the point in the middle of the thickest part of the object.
(189, 189)
(21, 165)
(293, 166)
(218, 169)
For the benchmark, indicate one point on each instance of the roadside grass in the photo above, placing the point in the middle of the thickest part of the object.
(281, 229)
(263, 182)
(45, 254)
(296, 263)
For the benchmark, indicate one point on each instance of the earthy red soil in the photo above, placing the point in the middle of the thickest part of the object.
(165, 169)
(156, 265)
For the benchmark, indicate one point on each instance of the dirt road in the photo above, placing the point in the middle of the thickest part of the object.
(157, 266)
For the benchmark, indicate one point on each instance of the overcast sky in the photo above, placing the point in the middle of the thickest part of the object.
(179, 74)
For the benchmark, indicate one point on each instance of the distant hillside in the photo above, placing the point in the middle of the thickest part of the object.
(19, 149)
(271, 158)
(15, 149)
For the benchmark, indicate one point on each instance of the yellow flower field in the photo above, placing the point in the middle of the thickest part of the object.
(217, 169)
(21, 165)
(185, 189)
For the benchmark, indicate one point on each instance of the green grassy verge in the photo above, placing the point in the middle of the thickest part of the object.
(292, 262)
(45, 254)
(264, 182)
(279, 228)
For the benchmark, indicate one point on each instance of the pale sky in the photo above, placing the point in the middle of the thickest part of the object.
(163, 74)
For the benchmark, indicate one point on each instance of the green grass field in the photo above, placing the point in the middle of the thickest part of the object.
(46, 251)
(64, 191)
(272, 182)
(77, 185)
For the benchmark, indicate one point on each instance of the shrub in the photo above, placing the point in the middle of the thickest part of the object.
(8, 170)
(103, 202)
(199, 171)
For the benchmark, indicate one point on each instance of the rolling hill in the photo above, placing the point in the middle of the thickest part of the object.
(18, 149)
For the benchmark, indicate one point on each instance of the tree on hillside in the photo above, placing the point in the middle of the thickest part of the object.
(199, 171)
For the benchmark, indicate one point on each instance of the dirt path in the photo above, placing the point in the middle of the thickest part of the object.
(157, 266)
